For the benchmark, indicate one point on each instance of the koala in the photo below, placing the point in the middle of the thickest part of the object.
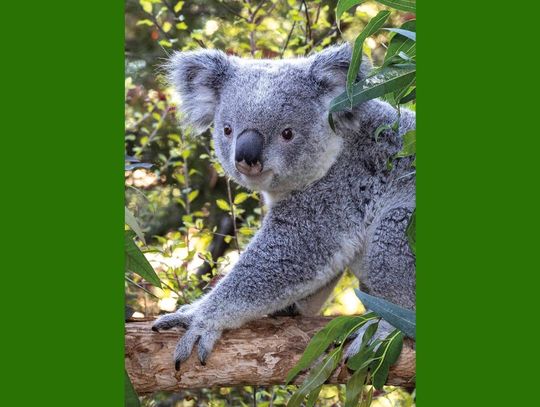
(333, 202)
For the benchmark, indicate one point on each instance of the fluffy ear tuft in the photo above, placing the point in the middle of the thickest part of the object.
(198, 77)
(329, 67)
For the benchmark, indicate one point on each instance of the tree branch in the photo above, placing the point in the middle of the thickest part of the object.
(260, 353)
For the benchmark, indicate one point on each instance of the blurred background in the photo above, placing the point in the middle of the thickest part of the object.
(196, 222)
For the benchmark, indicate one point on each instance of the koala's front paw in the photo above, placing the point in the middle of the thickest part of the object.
(206, 337)
(191, 318)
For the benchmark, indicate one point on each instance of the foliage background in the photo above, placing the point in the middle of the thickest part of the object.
(184, 201)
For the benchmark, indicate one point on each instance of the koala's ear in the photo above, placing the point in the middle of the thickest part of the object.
(198, 77)
(329, 67)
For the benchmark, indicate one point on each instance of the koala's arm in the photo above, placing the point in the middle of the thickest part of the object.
(289, 259)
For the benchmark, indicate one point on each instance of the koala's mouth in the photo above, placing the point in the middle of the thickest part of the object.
(259, 176)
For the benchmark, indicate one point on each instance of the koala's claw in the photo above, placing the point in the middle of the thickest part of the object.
(177, 365)
(155, 329)
(205, 340)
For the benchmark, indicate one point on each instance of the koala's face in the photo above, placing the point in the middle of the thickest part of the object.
(270, 118)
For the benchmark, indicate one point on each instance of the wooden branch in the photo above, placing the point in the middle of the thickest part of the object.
(260, 353)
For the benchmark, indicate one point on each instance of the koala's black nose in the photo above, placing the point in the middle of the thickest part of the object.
(248, 152)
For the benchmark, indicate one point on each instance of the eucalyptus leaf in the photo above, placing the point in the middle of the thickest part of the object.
(364, 356)
(339, 326)
(404, 5)
(354, 388)
(408, 97)
(400, 44)
(386, 81)
(136, 262)
(356, 59)
(317, 376)
(406, 33)
(401, 318)
(408, 147)
(313, 396)
(131, 221)
(387, 354)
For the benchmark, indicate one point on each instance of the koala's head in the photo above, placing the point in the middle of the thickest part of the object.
(270, 117)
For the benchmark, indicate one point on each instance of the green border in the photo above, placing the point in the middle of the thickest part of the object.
(477, 219)
(62, 194)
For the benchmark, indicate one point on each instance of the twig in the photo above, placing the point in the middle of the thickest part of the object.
(308, 23)
(289, 36)
(141, 287)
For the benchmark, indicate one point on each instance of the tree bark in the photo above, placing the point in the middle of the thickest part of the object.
(259, 353)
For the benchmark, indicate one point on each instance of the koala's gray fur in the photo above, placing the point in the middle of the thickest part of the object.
(333, 202)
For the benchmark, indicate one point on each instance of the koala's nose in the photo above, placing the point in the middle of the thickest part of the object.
(248, 152)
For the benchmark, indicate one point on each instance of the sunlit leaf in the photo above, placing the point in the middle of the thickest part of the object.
(193, 195)
(241, 197)
(223, 204)
(178, 6)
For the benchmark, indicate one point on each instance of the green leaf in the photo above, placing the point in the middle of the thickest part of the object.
(354, 388)
(404, 5)
(387, 354)
(400, 44)
(408, 97)
(178, 6)
(411, 232)
(385, 81)
(409, 145)
(406, 33)
(241, 197)
(133, 224)
(136, 262)
(223, 204)
(193, 195)
(367, 401)
(313, 396)
(317, 376)
(131, 398)
(322, 339)
(401, 318)
(372, 27)
(364, 356)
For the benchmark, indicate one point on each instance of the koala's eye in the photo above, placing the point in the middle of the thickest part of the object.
(287, 134)
(227, 130)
